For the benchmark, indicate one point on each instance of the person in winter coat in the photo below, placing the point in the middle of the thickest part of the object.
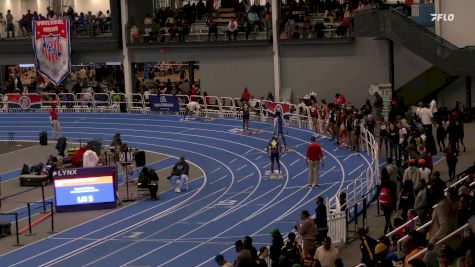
(406, 199)
(412, 174)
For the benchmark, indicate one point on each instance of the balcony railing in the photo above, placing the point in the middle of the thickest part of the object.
(196, 32)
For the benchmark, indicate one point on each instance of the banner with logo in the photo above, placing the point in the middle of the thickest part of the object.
(167, 103)
(272, 108)
(52, 47)
(25, 102)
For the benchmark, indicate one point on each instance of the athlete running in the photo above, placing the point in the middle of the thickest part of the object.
(279, 125)
(273, 150)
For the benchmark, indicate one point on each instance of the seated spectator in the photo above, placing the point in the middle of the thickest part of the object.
(179, 174)
(221, 261)
(232, 29)
(153, 184)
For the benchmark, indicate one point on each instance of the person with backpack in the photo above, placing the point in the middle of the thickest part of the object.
(291, 253)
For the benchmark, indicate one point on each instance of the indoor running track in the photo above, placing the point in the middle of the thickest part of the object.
(234, 198)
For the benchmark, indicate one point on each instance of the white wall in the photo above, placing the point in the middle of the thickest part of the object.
(91, 5)
(19, 7)
(13, 5)
(460, 31)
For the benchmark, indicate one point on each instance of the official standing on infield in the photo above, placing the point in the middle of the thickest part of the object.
(53, 117)
(314, 156)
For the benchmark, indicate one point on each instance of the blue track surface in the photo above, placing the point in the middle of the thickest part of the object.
(235, 197)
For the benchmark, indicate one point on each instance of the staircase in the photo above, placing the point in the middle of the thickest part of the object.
(449, 61)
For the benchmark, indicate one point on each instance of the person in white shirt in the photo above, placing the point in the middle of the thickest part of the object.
(232, 29)
(426, 116)
(191, 107)
(326, 254)
(90, 159)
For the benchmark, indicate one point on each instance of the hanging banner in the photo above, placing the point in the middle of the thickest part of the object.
(52, 47)
(167, 103)
(284, 109)
(24, 102)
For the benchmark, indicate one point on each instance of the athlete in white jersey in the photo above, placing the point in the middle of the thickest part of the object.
(192, 107)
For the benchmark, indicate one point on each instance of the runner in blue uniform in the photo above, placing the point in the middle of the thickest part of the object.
(279, 125)
(245, 116)
(273, 150)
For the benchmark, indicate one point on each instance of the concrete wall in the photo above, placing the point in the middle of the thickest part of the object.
(456, 91)
(91, 5)
(324, 68)
(459, 31)
(334, 68)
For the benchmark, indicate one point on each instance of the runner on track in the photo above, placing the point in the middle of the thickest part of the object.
(245, 116)
(192, 107)
(273, 150)
(279, 125)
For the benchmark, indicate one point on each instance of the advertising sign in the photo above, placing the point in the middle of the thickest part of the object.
(167, 103)
(25, 102)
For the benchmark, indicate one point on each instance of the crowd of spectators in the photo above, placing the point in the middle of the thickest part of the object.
(88, 23)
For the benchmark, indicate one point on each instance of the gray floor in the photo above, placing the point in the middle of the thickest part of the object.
(351, 253)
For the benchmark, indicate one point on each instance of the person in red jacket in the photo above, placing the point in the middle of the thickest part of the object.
(314, 156)
(53, 117)
(245, 96)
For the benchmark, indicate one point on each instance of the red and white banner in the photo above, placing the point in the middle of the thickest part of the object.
(283, 108)
(52, 46)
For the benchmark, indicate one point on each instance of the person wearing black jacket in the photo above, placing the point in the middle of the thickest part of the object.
(248, 245)
(367, 247)
(276, 246)
(153, 184)
(321, 219)
(179, 175)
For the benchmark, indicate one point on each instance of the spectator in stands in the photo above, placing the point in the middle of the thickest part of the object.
(221, 261)
(179, 175)
(275, 247)
(441, 136)
(412, 174)
(406, 198)
(10, 26)
(248, 245)
(451, 156)
(307, 233)
(422, 201)
(411, 246)
(232, 29)
(321, 219)
(212, 27)
(244, 257)
(367, 247)
(3, 26)
(326, 253)
(292, 252)
(437, 187)
(444, 219)
(381, 254)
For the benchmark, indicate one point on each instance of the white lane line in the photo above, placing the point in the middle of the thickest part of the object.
(217, 180)
(232, 160)
(245, 177)
(334, 150)
(79, 120)
(353, 171)
(349, 156)
(293, 163)
(267, 165)
(219, 168)
(259, 157)
(242, 167)
(249, 151)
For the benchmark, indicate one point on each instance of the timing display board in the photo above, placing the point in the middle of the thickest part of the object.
(84, 188)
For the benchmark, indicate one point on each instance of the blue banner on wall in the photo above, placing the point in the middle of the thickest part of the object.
(164, 103)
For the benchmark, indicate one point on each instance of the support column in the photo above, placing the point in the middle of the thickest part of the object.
(57, 6)
(468, 93)
(391, 67)
(124, 14)
(275, 48)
